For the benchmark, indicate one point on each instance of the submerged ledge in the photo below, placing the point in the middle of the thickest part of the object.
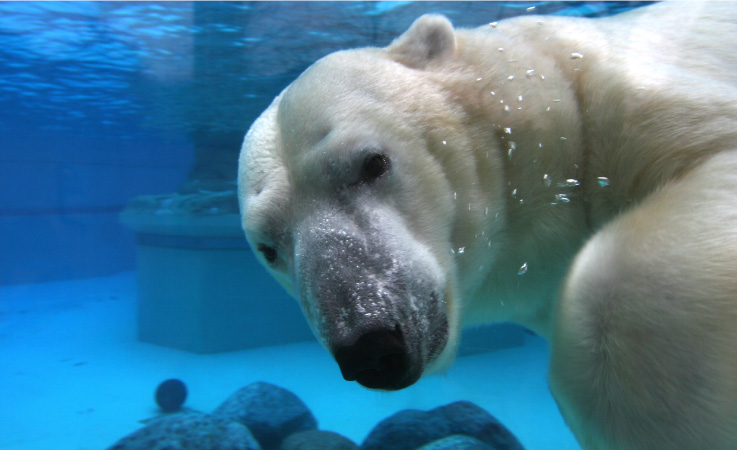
(201, 214)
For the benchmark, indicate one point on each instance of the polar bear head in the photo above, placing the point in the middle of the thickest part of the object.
(346, 184)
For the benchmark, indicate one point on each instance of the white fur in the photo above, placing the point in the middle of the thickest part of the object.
(576, 176)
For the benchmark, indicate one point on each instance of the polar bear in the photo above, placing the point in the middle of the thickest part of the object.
(575, 176)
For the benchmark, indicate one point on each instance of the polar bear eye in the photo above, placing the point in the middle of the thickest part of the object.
(374, 166)
(268, 252)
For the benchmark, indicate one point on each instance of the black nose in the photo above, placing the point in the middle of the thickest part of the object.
(379, 359)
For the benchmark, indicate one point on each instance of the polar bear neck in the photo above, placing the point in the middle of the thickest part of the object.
(580, 126)
(524, 137)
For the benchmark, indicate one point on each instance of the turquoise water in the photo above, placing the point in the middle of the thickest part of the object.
(139, 108)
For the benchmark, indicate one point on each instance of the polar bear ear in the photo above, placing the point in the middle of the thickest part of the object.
(431, 37)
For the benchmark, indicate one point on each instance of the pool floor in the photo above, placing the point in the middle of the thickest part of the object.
(74, 377)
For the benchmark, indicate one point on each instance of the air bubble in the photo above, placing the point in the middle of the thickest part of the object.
(455, 195)
(510, 78)
(492, 24)
(507, 130)
(519, 98)
(575, 55)
(461, 250)
(479, 79)
(514, 193)
(570, 182)
(522, 270)
(563, 198)
(506, 110)
(546, 180)
(530, 9)
(486, 211)
(530, 73)
(501, 49)
(603, 181)
(445, 143)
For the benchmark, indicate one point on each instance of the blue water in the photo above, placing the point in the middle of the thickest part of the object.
(101, 103)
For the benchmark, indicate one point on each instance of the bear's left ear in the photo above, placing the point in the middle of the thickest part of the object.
(431, 37)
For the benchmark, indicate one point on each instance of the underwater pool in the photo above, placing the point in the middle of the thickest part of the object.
(123, 262)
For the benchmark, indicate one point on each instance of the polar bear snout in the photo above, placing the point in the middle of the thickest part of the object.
(379, 359)
(375, 299)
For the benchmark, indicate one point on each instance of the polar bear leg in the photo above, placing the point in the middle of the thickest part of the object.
(644, 350)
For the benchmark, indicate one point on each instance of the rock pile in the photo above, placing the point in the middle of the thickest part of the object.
(262, 416)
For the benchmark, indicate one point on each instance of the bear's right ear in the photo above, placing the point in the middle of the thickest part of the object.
(431, 37)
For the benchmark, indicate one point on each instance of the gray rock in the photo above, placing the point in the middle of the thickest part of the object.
(189, 431)
(406, 430)
(270, 412)
(411, 429)
(471, 420)
(318, 440)
(456, 442)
